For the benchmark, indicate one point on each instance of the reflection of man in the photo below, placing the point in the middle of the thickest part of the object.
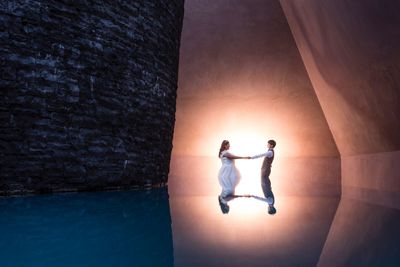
(223, 203)
(265, 172)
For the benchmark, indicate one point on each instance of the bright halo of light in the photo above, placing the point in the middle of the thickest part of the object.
(246, 144)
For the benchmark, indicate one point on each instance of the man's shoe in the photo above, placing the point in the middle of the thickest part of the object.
(271, 210)
(223, 205)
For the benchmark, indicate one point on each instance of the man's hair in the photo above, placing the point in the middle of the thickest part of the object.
(272, 143)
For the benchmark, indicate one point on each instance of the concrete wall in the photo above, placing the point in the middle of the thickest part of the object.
(241, 78)
(88, 90)
(350, 50)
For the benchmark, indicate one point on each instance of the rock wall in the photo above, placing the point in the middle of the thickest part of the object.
(88, 93)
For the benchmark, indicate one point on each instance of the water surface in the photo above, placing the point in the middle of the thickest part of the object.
(131, 228)
(149, 228)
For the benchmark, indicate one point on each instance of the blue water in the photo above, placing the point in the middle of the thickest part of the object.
(131, 228)
(149, 228)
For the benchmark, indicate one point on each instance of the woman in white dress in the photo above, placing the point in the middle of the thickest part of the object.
(228, 175)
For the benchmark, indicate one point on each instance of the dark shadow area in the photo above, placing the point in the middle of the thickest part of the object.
(363, 235)
(130, 228)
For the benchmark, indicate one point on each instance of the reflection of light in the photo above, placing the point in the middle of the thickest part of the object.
(250, 172)
(198, 175)
(244, 226)
(248, 145)
(203, 236)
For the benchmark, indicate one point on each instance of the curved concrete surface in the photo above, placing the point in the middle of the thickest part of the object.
(350, 50)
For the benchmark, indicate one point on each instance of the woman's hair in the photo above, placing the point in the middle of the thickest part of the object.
(222, 148)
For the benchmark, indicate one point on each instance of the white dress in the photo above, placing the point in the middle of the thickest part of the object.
(228, 175)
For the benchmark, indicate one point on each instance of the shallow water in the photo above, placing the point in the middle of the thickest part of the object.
(134, 228)
(86, 229)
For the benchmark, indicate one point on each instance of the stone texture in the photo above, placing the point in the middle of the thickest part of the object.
(88, 93)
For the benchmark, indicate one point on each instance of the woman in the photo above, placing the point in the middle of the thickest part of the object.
(228, 175)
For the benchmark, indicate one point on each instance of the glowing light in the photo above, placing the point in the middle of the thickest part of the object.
(203, 235)
(246, 144)
(247, 220)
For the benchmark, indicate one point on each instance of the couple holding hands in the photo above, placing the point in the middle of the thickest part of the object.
(229, 175)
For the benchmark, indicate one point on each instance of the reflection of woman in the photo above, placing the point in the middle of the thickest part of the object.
(228, 175)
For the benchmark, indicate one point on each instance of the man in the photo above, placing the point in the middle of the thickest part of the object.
(265, 172)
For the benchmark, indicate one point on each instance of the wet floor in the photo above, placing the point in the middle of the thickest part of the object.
(248, 235)
(148, 228)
